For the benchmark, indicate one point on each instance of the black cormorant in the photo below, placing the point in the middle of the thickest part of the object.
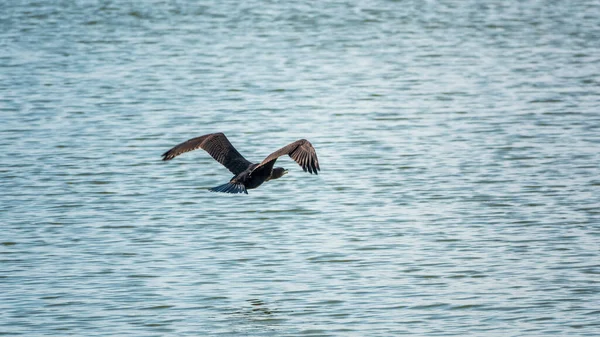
(247, 175)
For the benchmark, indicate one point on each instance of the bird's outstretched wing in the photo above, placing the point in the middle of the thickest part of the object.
(218, 146)
(301, 151)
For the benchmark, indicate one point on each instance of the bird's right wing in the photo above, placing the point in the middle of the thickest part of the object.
(218, 146)
(301, 151)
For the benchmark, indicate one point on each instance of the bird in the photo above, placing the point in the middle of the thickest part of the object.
(247, 175)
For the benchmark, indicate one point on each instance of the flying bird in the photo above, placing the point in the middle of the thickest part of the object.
(247, 175)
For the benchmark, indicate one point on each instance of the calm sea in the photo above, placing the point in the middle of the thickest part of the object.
(459, 144)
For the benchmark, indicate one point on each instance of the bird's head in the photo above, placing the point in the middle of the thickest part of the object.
(278, 172)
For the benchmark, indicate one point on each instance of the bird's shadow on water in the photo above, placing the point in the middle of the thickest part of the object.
(259, 308)
(258, 318)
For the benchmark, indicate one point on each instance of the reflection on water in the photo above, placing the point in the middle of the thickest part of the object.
(458, 142)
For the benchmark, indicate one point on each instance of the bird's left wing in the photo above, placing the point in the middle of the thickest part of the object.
(218, 146)
(301, 151)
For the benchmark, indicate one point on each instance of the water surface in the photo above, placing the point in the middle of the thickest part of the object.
(459, 145)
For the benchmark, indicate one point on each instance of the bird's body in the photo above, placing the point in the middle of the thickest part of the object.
(247, 175)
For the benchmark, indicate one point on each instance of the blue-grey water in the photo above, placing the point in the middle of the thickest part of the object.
(459, 144)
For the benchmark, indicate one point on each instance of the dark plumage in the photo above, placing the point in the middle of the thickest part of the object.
(247, 175)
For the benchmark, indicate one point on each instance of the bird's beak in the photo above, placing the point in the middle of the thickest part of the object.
(285, 171)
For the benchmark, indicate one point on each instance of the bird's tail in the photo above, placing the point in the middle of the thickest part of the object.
(230, 188)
